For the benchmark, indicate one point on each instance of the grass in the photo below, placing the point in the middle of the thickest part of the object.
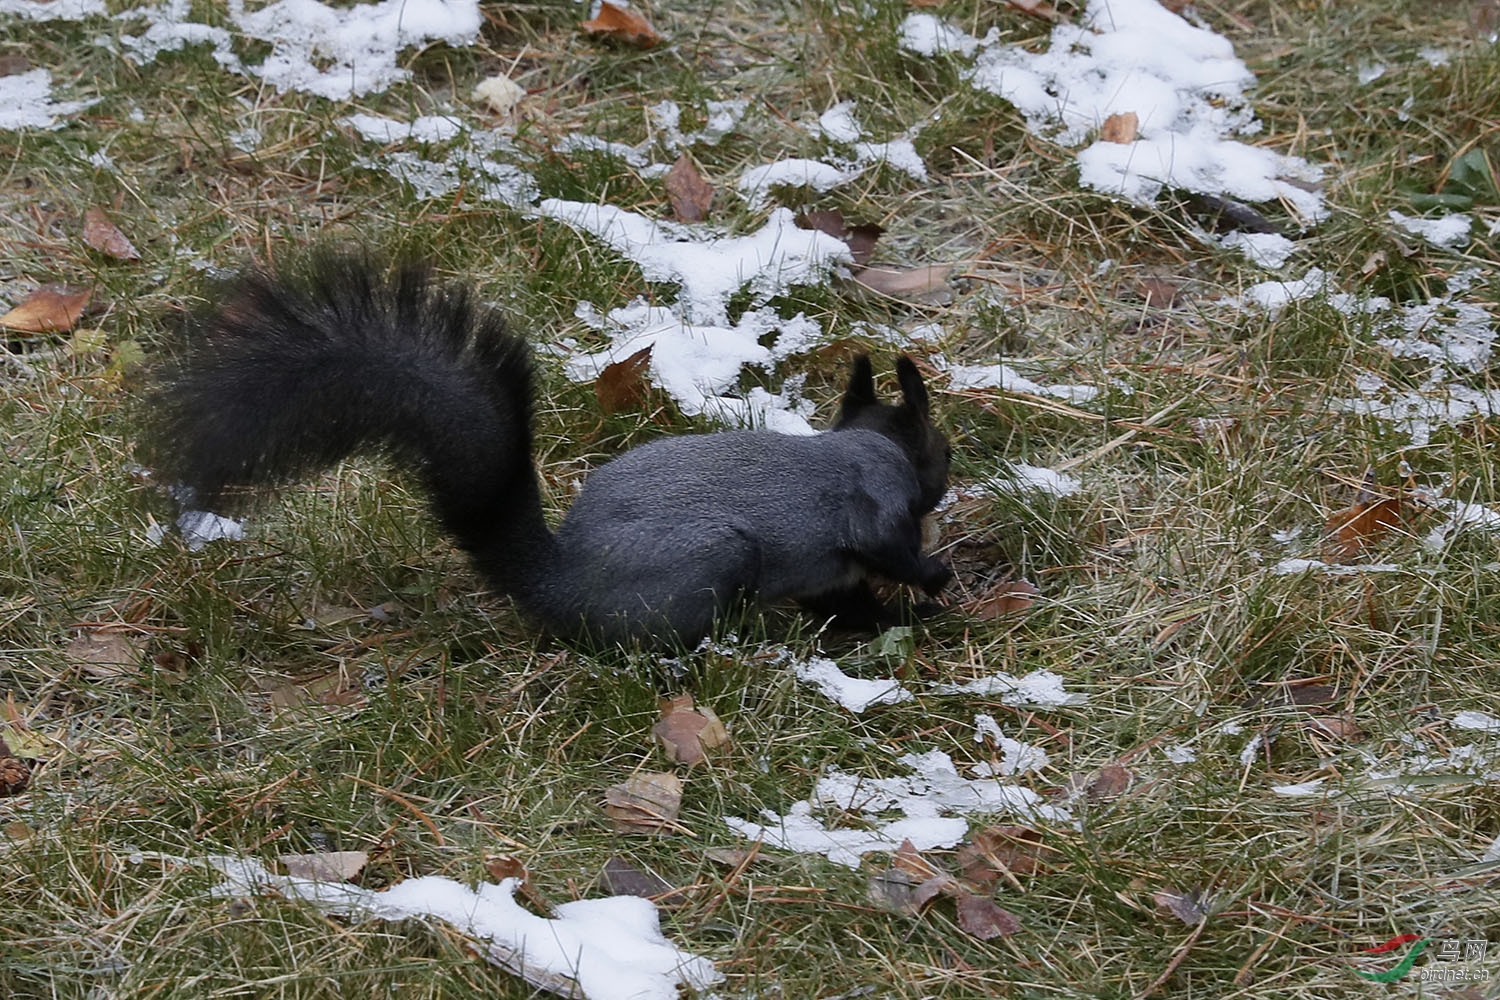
(263, 712)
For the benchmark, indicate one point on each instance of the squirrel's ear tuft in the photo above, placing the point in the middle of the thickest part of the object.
(913, 389)
(860, 392)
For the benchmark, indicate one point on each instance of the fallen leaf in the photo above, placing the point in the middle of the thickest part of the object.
(688, 192)
(860, 237)
(925, 285)
(729, 857)
(1340, 727)
(1109, 782)
(104, 654)
(1189, 907)
(15, 774)
(899, 891)
(997, 851)
(623, 26)
(910, 860)
(1362, 526)
(620, 878)
(332, 866)
(1122, 127)
(104, 236)
(687, 732)
(338, 688)
(1036, 8)
(503, 866)
(984, 919)
(49, 309)
(1003, 599)
(644, 803)
(1159, 293)
(624, 385)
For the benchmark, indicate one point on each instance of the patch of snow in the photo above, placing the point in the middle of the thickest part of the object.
(838, 124)
(1251, 750)
(1015, 757)
(424, 128)
(1370, 72)
(1183, 83)
(1268, 250)
(697, 364)
(1040, 688)
(709, 267)
(53, 10)
(26, 102)
(755, 183)
(853, 693)
(1288, 567)
(1180, 754)
(1032, 477)
(1434, 57)
(612, 948)
(1449, 232)
(1461, 515)
(932, 801)
(1303, 789)
(1007, 378)
(198, 528)
(1476, 720)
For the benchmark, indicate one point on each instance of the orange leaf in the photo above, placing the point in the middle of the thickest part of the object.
(1123, 127)
(1004, 599)
(623, 385)
(860, 237)
(1363, 525)
(49, 309)
(686, 732)
(623, 26)
(982, 918)
(688, 192)
(105, 236)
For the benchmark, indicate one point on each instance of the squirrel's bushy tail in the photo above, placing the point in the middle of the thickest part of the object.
(290, 371)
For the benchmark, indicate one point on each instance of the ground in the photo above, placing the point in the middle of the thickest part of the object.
(1264, 766)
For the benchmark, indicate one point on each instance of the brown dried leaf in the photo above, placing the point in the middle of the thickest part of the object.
(984, 919)
(1003, 599)
(925, 285)
(1036, 8)
(620, 878)
(644, 803)
(729, 857)
(687, 732)
(1109, 782)
(49, 309)
(1000, 850)
(1189, 907)
(860, 237)
(1362, 526)
(1159, 293)
(625, 385)
(1122, 127)
(338, 688)
(622, 25)
(504, 866)
(15, 774)
(333, 866)
(910, 860)
(105, 654)
(1340, 727)
(104, 236)
(688, 192)
(899, 891)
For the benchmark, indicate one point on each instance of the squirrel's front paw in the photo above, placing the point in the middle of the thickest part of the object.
(935, 576)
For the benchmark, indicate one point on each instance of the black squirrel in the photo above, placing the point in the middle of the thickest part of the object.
(290, 371)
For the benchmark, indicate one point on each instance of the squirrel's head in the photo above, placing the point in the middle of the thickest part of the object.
(908, 423)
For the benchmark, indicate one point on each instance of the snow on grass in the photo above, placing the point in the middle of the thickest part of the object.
(931, 801)
(1268, 250)
(1020, 477)
(1291, 567)
(608, 949)
(853, 693)
(53, 10)
(1038, 689)
(1449, 232)
(334, 52)
(708, 265)
(424, 128)
(1004, 377)
(1476, 720)
(1184, 84)
(26, 102)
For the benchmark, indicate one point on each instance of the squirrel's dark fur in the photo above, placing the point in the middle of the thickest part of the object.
(290, 372)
